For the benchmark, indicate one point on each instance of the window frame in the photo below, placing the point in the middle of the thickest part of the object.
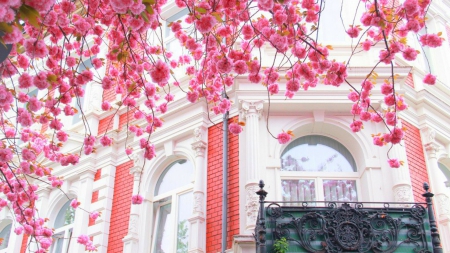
(319, 176)
(7, 238)
(66, 230)
(172, 197)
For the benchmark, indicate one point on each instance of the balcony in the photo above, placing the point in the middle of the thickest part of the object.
(322, 227)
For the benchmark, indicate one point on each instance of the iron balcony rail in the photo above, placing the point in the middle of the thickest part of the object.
(324, 226)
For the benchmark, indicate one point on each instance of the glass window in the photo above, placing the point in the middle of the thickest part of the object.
(318, 168)
(4, 236)
(63, 229)
(173, 206)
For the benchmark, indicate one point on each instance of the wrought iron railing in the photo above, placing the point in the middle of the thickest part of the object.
(321, 227)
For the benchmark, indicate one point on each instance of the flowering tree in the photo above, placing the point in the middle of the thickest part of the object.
(223, 38)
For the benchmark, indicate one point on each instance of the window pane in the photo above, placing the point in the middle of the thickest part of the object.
(176, 175)
(298, 190)
(58, 241)
(317, 153)
(164, 233)
(185, 207)
(4, 234)
(65, 216)
(339, 190)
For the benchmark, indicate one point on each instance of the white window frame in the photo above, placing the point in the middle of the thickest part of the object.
(174, 195)
(319, 177)
(66, 230)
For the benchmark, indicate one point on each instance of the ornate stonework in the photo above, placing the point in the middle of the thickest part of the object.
(443, 203)
(198, 203)
(199, 147)
(132, 225)
(252, 204)
(250, 108)
(402, 193)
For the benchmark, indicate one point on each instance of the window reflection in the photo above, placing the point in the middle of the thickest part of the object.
(173, 207)
(317, 154)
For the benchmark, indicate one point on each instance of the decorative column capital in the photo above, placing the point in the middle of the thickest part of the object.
(432, 149)
(250, 108)
(199, 147)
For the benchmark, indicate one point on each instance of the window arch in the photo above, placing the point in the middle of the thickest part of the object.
(63, 228)
(4, 236)
(318, 168)
(172, 205)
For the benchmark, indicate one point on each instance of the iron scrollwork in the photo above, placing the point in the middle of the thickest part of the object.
(349, 229)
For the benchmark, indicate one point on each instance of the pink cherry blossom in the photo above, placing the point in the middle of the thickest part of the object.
(284, 137)
(235, 128)
(429, 79)
(74, 203)
(136, 199)
(394, 163)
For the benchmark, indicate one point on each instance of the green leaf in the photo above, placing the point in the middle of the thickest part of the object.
(217, 16)
(29, 13)
(144, 17)
(52, 78)
(149, 9)
(201, 10)
(5, 27)
(148, 2)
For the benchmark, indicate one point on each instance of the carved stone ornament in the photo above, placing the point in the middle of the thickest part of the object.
(402, 193)
(138, 162)
(199, 147)
(443, 202)
(252, 204)
(198, 203)
(429, 135)
(198, 134)
(251, 108)
(132, 225)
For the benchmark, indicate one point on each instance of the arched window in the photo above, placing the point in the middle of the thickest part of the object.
(4, 236)
(318, 168)
(63, 229)
(173, 207)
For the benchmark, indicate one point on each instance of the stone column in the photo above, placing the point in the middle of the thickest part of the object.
(441, 198)
(131, 240)
(84, 196)
(197, 243)
(252, 113)
(402, 186)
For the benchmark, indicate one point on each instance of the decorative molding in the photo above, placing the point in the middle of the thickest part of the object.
(198, 203)
(402, 193)
(199, 134)
(251, 108)
(199, 147)
(138, 162)
(133, 224)
(443, 203)
(429, 135)
(432, 149)
(252, 205)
